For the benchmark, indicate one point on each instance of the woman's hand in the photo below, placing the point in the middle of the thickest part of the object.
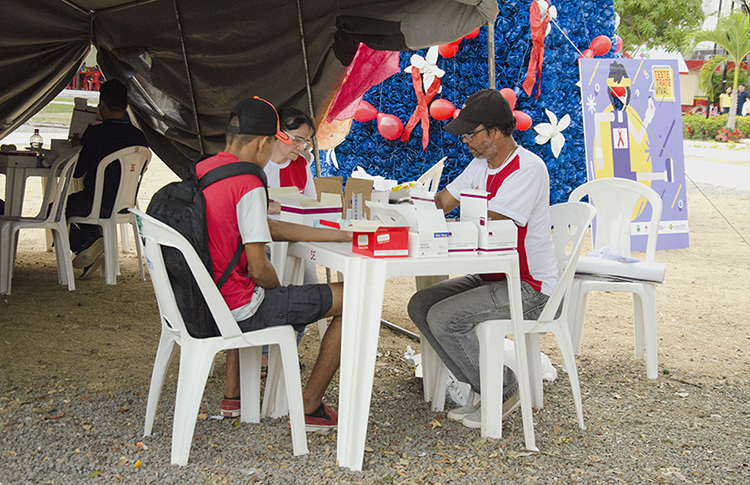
(274, 207)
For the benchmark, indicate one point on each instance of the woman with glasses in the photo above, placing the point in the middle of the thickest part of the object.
(290, 167)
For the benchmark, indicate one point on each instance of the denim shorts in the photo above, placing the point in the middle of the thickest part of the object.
(297, 306)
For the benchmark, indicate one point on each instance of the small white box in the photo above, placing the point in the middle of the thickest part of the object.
(463, 238)
(301, 209)
(474, 206)
(497, 235)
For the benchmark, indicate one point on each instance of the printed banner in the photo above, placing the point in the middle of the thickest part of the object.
(632, 122)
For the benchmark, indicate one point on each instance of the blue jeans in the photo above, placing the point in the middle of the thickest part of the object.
(447, 312)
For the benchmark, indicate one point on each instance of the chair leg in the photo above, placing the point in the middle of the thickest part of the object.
(194, 366)
(646, 313)
(111, 256)
(138, 248)
(577, 313)
(250, 384)
(638, 325)
(6, 257)
(124, 239)
(275, 403)
(290, 362)
(562, 334)
(64, 260)
(491, 377)
(161, 365)
(534, 358)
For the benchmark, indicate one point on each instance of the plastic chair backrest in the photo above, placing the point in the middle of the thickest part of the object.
(158, 234)
(133, 163)
(569, 223)
(431, 178)
(56, 191)
(615, 200)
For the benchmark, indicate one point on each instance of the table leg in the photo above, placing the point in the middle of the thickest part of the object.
(15, 184)
(359, 339)
(524, 388)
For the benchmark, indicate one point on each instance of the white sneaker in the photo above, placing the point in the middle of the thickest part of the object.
(474, 420)
(468, 408)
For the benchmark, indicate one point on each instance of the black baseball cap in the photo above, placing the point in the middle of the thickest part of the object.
(486, 107)
(256, 116)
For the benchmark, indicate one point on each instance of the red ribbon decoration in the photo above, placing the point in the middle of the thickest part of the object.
(538, 31)
(421, 113)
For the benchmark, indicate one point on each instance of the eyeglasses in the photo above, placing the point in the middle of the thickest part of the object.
(468, 136)
(300, 143)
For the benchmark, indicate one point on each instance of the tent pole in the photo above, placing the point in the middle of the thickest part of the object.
(309, 88)
(189, 79)
(491, 53)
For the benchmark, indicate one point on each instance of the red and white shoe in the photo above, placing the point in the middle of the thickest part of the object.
(322, 418)
(230, 408)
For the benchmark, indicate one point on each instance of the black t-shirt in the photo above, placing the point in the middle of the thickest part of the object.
(97, 142)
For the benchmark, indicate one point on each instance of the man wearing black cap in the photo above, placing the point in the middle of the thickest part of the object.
(518, 187)
(236, 211)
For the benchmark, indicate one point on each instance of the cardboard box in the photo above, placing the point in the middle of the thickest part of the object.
(474, 206)
(384, 242)
(356, 194)
(301, 209)
(463, 238)
(497, 235)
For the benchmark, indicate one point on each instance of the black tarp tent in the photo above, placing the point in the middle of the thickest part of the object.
(187, 61)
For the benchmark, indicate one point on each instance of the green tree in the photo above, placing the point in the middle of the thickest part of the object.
(658, 23)
(731, 34)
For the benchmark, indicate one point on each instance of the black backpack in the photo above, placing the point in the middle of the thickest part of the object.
(182, 206)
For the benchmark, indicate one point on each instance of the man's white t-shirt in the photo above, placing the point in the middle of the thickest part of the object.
(519, 190)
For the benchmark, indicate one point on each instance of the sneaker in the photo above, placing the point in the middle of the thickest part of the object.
(468, 408)
(322, 418)
(89, 255)
(474, 420)
(89, 270)
(230, 407)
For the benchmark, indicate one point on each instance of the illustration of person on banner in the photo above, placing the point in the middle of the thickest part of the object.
(621, 142)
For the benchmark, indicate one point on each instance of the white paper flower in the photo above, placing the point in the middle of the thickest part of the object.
(544, 11)
(552, 132)
(427, 67)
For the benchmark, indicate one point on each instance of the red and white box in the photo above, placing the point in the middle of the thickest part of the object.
(301, 209)
(496, 236)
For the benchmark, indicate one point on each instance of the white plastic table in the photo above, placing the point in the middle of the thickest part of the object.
(17, 167)
(364, 284)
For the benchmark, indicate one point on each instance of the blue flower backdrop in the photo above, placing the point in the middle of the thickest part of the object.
(466, 73)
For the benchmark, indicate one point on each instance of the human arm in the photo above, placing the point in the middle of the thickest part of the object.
(445, 201)
(289, 231)
(259, 268)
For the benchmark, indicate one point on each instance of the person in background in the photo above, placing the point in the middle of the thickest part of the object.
(115, 132)
(518, 185)
(725, 100)
(741, 98)
(288, 167)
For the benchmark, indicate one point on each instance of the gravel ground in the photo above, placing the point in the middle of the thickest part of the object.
(677, 429)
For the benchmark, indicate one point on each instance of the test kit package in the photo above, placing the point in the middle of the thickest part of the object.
(463, 238)
(384, 238)
(493, 236)
(428, 235)
(301, 209)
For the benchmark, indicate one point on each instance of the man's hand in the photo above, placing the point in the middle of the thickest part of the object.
(445, 201)
(259, 268)
(289, 231)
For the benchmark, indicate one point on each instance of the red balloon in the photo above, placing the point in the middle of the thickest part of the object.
(618, 91)
(601, 45)
(442, 109)
(448, 50)
(472, 34)
(365, 112)
(588, 54)
(618, 43)
(510, 95)
(390, 126)
(523, 121)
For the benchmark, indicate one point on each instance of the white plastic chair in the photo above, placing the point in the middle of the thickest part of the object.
(133, 163)
(431, 178)
(615, 200)
(569, 221)
(52, 218)
(197, 355)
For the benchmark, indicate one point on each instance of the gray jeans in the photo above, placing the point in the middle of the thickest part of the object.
(447, 312)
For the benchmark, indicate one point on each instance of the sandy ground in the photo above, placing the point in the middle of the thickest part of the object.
(702, 307)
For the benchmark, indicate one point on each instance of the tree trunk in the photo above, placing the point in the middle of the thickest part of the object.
(731, 122)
